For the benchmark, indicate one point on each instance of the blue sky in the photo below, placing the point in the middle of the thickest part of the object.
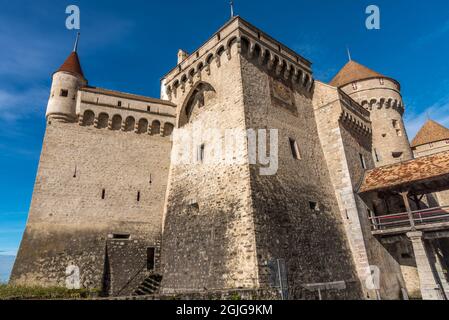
(129, 45)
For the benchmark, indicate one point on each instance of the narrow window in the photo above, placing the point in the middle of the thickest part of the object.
(151, 258)
(121, 236)
(376, 155)
(406, 256)
(103, 194)
(149, 108)
(381, 80)
(395, 124)
(201, 149)
(314, 206)
(362, 161)
(354, 85)
(119, 103)
(138, 196)
(295, 149)
(64, 93)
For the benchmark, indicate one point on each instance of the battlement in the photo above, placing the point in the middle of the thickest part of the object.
(106, 109)
(249, 41)
(354, 115)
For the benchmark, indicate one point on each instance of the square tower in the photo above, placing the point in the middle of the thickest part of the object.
(228, 223)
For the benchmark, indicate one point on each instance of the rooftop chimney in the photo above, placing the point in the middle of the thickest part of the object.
(182, 55)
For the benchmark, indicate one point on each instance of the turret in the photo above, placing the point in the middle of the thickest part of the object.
(380, 95)
(66, 82)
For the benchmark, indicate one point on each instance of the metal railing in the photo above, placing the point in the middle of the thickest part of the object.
(420, 217)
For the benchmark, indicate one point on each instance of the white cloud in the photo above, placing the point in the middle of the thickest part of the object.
(439, 112)
(432, 36)
(15, 104)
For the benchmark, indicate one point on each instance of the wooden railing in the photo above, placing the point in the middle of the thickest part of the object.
(403, 220)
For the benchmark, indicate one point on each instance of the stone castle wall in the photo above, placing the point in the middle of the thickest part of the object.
(383, 99)
(208, 238)
(310, 239)
(344, 141)
(91, 184)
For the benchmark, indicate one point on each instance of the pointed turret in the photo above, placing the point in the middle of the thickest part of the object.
(431, 132)
(66, 82)
(353, 71)
(381, 95)
(72, 63)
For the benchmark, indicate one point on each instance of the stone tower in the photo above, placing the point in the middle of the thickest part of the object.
(96, 212)
(65, 85)
(380, 95)
(235, 225)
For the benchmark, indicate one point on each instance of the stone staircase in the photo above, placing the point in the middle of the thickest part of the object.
(149, 286)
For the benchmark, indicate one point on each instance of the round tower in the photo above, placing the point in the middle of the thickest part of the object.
(64, 89)
(380, 95)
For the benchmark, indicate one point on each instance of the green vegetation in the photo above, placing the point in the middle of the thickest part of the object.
(8, 292)
(235, 297)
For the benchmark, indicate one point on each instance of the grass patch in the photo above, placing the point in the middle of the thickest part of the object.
(8, 292)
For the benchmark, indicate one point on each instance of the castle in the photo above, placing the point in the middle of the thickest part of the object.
(352, 211)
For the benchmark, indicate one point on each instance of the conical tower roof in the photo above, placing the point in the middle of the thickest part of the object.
(352, 72)
(430, 132)
(72, 65)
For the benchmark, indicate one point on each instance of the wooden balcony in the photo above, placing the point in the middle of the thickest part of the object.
(432, 219)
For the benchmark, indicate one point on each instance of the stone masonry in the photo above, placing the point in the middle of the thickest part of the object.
(115, 202)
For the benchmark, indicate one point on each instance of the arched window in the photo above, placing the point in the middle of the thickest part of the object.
(130, 124)
(168, 129)
(202, 94)
(143, 126)
(103, 120)
(116, 122)
(88, 118)
(156, 127)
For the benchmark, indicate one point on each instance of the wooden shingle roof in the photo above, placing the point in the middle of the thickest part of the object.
(430, 132)
(352, 72)
(72, 65)
(408, 174)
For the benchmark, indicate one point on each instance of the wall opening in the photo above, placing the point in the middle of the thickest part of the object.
(168, 129)
(116, 123)
(103, 120)
(155, 128)
(151, 255)
(138, 196)
(64, 93)
(130, 123)
(314, 206)
(121, 236)
(88, 118)
(294, 149)
(200, 152)
(142, 126)
(362, 161)
(103, 194)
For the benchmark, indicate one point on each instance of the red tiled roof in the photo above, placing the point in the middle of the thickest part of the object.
(431, 132)
(409, 172)
(352, 72)
(72, 64)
